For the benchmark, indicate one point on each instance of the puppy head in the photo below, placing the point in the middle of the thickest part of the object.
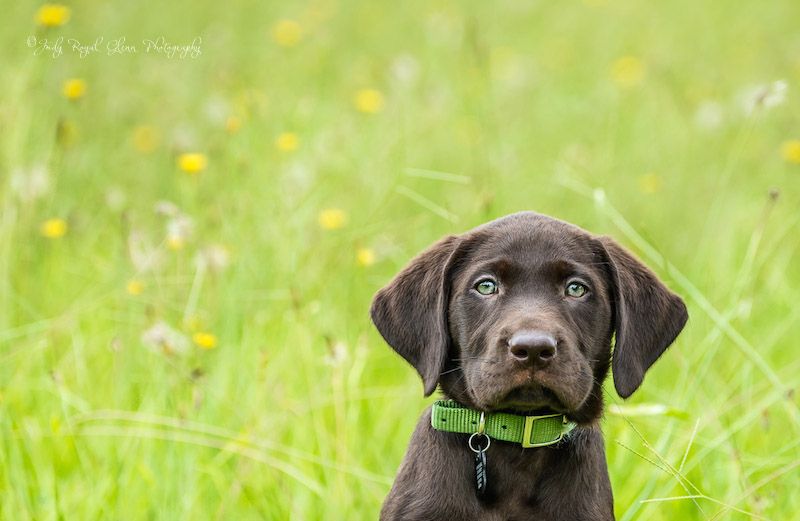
(518, 314)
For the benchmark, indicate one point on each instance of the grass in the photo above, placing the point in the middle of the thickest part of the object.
(626, 118)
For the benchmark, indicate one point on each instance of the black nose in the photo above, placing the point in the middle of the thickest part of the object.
(532, 346)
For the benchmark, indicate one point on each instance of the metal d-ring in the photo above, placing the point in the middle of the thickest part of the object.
(480, 432)
(488, 442)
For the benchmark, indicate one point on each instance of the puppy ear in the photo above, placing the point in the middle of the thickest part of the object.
(648, 317)
(411, 312)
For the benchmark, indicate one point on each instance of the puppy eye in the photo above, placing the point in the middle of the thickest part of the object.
(486, 287)
(576, 290)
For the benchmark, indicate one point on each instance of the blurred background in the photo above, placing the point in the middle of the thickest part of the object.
(199, 199)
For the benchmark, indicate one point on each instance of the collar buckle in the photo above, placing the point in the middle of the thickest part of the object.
(528, 432)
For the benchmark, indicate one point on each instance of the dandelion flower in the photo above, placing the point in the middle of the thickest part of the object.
(369, 101)
(31, 184)
(709, 115)
(790, 151)
(143, 254)
(405, 68)
(204, 340)
(179, 229)
(52, 15)
(287, 33)
(166, 208)
(764, 96)
(332, 219)
(74, 88)
(134, 287)
(145, 138)
(287, 142)
(650, 183)
(53, 228)
(215, 257)
(628, 71)
(192, 163)
(337, 353)
(365, 257)
(162, 338)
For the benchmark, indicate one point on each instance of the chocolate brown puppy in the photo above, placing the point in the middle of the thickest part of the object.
(514, 321)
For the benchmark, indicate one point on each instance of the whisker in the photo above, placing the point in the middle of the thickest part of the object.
(490, 360)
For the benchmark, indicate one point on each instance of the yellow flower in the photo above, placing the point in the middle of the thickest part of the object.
(287, 142)
(204, 340)
(192, 163)
(650, 183)
(74, 88)
(53, 228)
(332, 218)
(233, 124)
(52, 15)
(145, 138)
(287, 33)
(134, 287)
(175, 243)
(369, 101)
(790, 150)
(628, 71)
(365, 257)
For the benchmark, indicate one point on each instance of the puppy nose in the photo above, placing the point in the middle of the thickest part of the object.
(532, 346)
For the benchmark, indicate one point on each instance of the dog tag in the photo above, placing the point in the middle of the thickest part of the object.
(481, 478)
(480, 472)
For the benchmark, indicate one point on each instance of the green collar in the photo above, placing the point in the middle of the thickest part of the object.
(529, 431)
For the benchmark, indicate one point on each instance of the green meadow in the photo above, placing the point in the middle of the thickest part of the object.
(199, 199)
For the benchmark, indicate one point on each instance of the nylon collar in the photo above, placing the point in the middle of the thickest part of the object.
(528, 431)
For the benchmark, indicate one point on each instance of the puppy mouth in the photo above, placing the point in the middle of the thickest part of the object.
(531, 398)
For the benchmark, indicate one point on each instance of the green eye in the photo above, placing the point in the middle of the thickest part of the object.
(576, 290)
(486, 287)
